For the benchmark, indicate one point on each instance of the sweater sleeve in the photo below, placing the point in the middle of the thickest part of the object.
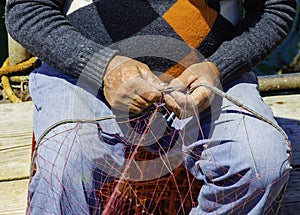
(265, 25)
(41, 27)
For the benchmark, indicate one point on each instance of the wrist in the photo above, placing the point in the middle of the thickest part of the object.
(115, 62)
(214, 67)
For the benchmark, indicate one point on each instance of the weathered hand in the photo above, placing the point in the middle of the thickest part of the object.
(129, 85)
(197, 100)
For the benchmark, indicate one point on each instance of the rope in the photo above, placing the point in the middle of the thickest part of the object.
(6, 69)
(19, 78)
(8, 90)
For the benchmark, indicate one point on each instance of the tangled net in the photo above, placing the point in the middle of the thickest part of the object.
(175, 192)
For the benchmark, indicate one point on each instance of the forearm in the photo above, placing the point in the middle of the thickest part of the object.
(40, 27)
(266, 24)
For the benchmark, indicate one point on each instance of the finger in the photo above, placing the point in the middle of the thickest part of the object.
(183, 100)
(152, 96)
(147, 92)
(153, 80)
(184, 80)
(122, 102)
(158, 84)
(140, 101)
(135, 92)
(127, 104)
(172, 105)
(135, 109)
(187, 104)
(177, 84)
(202, 98)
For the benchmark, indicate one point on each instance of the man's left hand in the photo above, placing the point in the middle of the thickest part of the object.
(185, 104)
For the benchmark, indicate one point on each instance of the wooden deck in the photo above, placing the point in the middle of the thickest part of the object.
(15, 147)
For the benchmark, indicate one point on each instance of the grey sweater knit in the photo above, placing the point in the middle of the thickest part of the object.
(75, 36)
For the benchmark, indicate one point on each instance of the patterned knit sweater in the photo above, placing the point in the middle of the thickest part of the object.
(79, 37)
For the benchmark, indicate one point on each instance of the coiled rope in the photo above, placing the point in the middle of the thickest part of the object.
(6, 70)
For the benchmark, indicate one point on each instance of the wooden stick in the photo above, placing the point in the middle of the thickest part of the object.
(279, 82)
(16, 52)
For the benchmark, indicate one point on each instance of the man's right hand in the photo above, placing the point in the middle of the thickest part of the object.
(129, 85)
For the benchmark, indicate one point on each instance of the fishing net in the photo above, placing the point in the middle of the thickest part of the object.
(152, 179)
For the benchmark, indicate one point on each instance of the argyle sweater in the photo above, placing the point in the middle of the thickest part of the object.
(80, 37)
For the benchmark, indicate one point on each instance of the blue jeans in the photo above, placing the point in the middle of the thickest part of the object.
(243, 161)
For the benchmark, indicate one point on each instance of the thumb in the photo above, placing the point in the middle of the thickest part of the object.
(183, 81)
(153, 80)
(177, 84)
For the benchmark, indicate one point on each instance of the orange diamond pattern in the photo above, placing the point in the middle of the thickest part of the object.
(191, 19)
(177, 69)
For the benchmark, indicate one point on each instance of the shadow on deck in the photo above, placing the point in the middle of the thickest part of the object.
(291, 203)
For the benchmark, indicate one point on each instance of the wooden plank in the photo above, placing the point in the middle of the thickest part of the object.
(15, 147)
(287, 112)
(14, 163)
(284, 106)
(13, 197)
(15, 124)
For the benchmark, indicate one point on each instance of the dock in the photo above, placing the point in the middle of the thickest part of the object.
(15, 149)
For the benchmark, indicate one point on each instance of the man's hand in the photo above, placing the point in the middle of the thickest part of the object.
(199, 98)
(129, 85)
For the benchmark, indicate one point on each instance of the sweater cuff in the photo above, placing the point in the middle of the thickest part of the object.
(93, 62)
(229, 67)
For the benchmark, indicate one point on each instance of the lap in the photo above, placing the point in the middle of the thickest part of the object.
(224, 127)
(225, 145)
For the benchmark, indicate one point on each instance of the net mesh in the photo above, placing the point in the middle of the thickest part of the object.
(120, 190)
(170, 194)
